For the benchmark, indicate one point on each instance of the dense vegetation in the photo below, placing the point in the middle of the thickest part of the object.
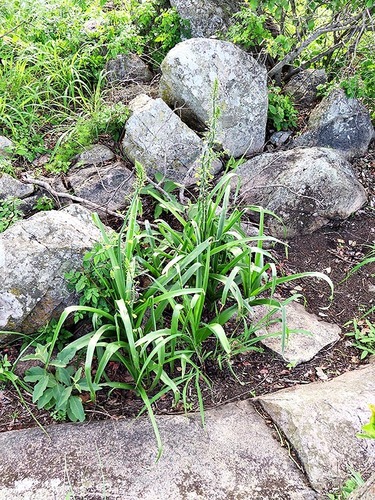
(206, 272)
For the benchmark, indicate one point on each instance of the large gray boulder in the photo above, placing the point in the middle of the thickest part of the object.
(341, 123)
(321, 421)
(158, 139)
(190, 71)
(207, 17)
(34, 256)
(305, 187)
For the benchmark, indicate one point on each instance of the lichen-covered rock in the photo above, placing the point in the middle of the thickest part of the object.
(305, 187)
(207, 17)
(13, 188)
(303, 86)
(108, 186)
(127, 68)
(340, 123)
(35, 254)
(157, 138)
(190, 71)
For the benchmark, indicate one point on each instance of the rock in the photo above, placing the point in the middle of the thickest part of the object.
(300, 347)
(5, 145)
(158, 139)
(305, 187)
(207, 17)
(34, 256)
(340, 123)
(13, 188)
(280, 138)
(321, 421)
(95, 155)
(234, 457)
(302, 87)
(108, 186)
(190, 71)
(365, 492)
(127, 68)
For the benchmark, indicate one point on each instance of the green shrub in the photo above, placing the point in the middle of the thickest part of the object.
(282, 114)
(369, 428)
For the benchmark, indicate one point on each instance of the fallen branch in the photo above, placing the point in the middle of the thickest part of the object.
(60, 194)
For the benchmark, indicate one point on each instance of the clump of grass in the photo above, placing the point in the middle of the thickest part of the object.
(204, 278)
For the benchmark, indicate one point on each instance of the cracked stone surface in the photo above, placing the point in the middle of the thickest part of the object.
(234, 457)
(109, 186)
(301, 347)
(321, 420)
(35, 254)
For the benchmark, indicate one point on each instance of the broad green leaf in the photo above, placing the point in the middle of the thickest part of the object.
(40, 387)
(75, 407)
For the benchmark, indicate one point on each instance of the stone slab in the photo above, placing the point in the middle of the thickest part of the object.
(300, 347)
(234, 457)
(321, 420)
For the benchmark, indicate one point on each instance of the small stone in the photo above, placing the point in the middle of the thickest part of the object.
(300, 347)
(5, 145)
(95, 155)
(127, 68)
(13, 188)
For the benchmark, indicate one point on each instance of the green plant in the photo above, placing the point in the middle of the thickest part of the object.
(349, 486)
(160, 297)
(167, 186)
(369, 428)
(281, 112)
(101, 119)
(44, 335)
(9, 212)
(7, 376)
(44, 203)
(56, 391)
(6, 166)
(364, 336)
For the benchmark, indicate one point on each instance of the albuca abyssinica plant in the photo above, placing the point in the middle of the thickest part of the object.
(168, 297)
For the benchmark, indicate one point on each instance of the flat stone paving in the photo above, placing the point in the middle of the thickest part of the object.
(321, 421)
(235, 457)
